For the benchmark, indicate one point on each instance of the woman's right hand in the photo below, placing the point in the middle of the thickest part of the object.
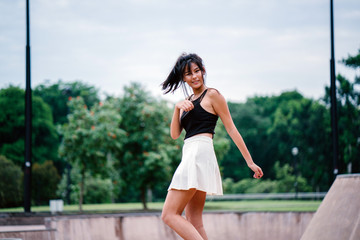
(258, 173)
(185, 105)
(175, 126)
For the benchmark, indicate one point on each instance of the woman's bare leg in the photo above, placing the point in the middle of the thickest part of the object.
(174, 205)
(194, 210)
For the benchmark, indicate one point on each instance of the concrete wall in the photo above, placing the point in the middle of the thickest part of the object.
(257, 226)
(225, 225)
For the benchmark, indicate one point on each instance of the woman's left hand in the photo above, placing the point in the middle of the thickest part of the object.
(258, 173)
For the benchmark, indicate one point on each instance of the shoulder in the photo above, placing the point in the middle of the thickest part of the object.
(214, 94)
(218, 102)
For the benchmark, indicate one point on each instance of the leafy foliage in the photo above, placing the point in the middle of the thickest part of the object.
(45, 179)
(303, 124)
(348, 108)
(12, 130)
(96, 189)
(144, 161)
(352, 61)
(221, 142)
(57, 95)
(272, 126)
(252, 125)
(11, 188)
(90, 137)
(285, 181)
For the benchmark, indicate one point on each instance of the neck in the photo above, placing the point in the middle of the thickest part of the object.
(199, 90)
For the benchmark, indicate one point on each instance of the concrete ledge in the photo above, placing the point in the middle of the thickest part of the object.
(130, 226)
(21, 228)
(262, 196)
(353, 175)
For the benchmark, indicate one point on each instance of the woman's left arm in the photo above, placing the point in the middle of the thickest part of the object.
(221, 108)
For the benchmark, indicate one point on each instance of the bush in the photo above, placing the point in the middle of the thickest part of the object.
(263, 186)
(96, 189)
(45, 179)
(228, 186)
(287, 179)
(74, 188)
(244, 185)
(285, 182)
(10, 184)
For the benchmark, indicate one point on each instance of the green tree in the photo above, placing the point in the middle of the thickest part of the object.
(221, 142)
(12, 127)
(11, 188)
(144, 160)
(262, 142)
(90, 137)
(348, 106)
(304, 124)
(272, 126)
(253, 119)
(57, 95)
(252, 125)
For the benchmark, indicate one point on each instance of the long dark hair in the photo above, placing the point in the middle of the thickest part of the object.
(174, 80)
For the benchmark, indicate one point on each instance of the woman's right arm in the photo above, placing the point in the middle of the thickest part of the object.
(175, 127)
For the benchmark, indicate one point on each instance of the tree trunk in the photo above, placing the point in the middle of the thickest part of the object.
(143, 197)
(82, 183)
(349, 165)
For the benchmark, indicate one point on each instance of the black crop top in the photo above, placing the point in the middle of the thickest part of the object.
(198, 120)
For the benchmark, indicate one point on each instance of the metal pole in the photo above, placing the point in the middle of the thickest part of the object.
(28, 122)
(334, 122)
(295, 152)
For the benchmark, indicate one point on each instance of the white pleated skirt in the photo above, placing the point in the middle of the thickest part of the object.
(198, 168)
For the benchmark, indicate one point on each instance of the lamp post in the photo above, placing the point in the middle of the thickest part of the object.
(28, 120)
(294, 152)
(334, 122)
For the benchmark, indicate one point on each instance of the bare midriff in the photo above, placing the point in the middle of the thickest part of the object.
(210, 135)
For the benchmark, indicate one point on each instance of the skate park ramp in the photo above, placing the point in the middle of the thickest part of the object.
(338, 217)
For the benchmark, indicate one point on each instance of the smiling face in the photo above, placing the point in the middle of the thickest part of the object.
(194, 77)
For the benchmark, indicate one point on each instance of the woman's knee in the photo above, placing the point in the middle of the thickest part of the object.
(195, 220)
(167, 217)
(164, 216)
(198, 225)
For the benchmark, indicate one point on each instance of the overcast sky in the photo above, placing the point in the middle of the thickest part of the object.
(249, 47)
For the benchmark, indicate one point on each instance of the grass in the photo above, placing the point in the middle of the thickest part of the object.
(211, 205)
(264, 205)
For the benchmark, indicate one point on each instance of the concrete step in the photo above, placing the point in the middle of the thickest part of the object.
(22, 228)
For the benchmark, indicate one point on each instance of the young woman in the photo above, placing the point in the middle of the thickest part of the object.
(198, 173)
